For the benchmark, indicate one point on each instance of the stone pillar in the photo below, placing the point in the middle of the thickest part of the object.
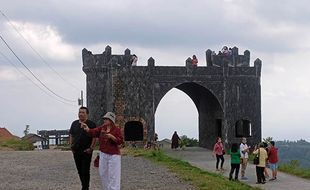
(151, 62)
(247, 57)
(127, 57)
(235, 56)
(208, 57)
(258, 66)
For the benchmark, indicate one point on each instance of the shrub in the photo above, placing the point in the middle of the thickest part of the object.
(17, 144)
(188, 142)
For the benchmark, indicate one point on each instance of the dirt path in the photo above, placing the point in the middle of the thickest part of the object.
(55, 170)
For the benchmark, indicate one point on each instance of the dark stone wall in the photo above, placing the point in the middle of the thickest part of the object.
(225, 91)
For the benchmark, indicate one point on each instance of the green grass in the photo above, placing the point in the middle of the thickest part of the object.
(197, 177)
(17, 144)
(293, 168)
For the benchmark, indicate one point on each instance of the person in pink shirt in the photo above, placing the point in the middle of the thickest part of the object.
(218, 151)
(194, 61)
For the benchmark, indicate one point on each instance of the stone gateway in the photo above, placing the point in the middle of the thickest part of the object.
(226, 92)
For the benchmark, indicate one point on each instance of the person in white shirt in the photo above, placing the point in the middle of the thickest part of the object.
(244, 150)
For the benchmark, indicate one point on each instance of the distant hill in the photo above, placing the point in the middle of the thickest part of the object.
(294, 150)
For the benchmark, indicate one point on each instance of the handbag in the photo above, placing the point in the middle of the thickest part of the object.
(256, 159)
(96, 161)
(241, 160)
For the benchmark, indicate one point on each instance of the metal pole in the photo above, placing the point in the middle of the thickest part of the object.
(82, 101)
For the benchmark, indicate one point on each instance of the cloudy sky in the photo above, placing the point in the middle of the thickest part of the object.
(277, 32)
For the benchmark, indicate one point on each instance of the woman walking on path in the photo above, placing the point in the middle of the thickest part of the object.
(175, 140)
(110, 138)
(234, 161)
(262, 154)
(218, 151)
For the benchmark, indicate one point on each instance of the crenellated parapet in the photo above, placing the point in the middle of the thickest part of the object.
(105, 60)
(230, 58)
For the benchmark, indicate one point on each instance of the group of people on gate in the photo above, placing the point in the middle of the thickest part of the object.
(224, 52)
(267, 155)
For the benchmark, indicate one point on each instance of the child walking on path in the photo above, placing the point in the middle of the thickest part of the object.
(234, 161)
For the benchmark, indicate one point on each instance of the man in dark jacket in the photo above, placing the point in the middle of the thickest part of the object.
(82, 146)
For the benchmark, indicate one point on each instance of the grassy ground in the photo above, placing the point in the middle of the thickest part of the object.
(16, 144)
(197, 177)
(293, 168)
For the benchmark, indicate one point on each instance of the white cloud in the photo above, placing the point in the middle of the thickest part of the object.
(45, 39)
(8, 74)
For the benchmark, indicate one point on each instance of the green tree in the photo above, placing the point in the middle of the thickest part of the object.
(267, 139)
(26, 131)
(189, 142)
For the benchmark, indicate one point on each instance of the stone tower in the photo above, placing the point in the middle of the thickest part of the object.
(226, 92)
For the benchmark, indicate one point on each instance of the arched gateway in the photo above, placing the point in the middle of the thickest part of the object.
(226, 92)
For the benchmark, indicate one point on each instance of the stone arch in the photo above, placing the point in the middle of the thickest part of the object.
(133, 131)
(171, 114)
(135, 92)
(210, 112)
(136, 128)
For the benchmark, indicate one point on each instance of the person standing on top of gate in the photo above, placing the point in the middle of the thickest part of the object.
(110, 139)
(82, 146)
(194, 61)
(218, 151)
(134, 60)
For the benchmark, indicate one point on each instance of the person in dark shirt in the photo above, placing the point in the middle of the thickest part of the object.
(175, 140)
(82, 146)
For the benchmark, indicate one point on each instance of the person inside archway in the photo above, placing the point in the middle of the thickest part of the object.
(218, 152)
(175, 140)
(156, 147)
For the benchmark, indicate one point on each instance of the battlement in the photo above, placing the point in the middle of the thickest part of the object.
(236, 64)
(231, 58)
(106, 59)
